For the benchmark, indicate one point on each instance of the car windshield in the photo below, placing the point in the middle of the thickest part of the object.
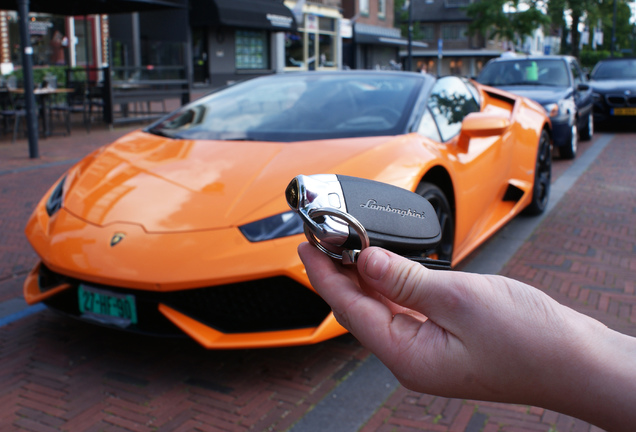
(298, 107)
(548, 72)
(615, 70)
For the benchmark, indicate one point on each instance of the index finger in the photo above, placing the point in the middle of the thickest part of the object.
(355, 310)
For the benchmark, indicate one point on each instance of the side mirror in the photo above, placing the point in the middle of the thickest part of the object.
(583, 87)
(480, 125)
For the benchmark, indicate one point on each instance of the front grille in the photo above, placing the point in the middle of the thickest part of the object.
(277, 303)
(621, 100)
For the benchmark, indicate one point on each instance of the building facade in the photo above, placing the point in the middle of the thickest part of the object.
(218, 41)
(443, 25)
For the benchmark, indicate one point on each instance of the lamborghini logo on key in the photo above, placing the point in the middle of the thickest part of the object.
(117, 237)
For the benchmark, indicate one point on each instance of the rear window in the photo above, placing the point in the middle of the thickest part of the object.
(615, 69)
(549, 72)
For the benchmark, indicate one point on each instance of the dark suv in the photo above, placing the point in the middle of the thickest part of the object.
(558, 84)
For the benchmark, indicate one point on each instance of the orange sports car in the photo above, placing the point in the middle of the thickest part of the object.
(183, 227)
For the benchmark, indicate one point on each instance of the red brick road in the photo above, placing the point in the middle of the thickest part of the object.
(58, 374)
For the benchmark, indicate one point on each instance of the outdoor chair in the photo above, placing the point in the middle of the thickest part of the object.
(11, 112)
(71, 103)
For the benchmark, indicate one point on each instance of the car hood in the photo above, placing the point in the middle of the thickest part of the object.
(168, 185)
(541, 94)
(614, 86)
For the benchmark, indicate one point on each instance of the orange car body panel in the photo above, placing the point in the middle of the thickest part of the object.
(197, 194)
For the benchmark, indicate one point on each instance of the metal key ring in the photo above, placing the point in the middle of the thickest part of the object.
(339, 214)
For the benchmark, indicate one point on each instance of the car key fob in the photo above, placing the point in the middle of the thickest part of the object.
(343, 215)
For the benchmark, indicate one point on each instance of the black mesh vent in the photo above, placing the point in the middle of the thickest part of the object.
(263, 305)
(616, 100)
(267, 304)
(48, 279)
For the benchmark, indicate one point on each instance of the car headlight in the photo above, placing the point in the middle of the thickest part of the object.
(54, 203)
(552, 109)
(597, 97)
(280, 225)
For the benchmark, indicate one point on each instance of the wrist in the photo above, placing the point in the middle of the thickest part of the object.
(599, 378)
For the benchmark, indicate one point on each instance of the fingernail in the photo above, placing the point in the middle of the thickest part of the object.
(377, 264)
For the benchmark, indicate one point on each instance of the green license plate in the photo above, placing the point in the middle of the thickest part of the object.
(624, 111)
(107, 307)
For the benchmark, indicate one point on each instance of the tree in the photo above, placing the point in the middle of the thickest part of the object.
(624, 29)
(401, 19)
(491, 20)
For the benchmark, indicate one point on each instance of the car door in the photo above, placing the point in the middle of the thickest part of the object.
(481, 168)
(582, 93)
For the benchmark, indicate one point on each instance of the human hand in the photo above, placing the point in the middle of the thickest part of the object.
(465, 335)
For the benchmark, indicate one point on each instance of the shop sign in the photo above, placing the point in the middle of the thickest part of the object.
(279, 20)
(311, 22)
(346, 29)
(40, 28)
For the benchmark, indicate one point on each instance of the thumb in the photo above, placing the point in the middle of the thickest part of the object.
(439, 295)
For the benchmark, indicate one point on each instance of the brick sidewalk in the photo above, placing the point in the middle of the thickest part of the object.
(59, 374)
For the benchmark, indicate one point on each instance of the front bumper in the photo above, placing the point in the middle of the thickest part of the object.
(561, 131)
(215, 286)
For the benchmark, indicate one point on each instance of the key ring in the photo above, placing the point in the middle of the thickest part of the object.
(350, 220)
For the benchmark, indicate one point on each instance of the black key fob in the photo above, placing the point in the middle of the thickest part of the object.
(343, 213)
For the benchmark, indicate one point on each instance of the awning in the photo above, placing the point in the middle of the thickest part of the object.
(260, 14)
(89, 7)
(381, 40)
(376, 35)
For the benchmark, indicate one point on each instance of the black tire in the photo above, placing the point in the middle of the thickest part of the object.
(542, 177)
(569, 151)
(444, 250)
(588, 129)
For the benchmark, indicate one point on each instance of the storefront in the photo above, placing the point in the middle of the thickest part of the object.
(232, 40)
(451, 62)
(375, 47)
(316, 45)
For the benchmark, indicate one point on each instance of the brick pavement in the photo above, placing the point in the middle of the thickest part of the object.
(59, 374)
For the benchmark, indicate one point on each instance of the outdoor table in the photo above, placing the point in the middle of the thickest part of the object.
(43, 94)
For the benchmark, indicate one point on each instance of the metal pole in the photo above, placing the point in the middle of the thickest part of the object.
(613, 42)
(27, 69)
(409, 59)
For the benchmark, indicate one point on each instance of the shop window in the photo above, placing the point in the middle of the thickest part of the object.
(251, 49)
(456, 67)
(48, 39)
(294, 49)
(364, 7)
(313, 46)
(427, 31)
(326, 49)
(381, 8)
(454, 31)
(326, 24)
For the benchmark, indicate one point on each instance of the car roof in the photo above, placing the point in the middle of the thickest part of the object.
(611, 59)
(533, 57)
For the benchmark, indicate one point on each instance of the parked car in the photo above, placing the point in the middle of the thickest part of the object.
(613, 83)
(557, 83)
(183, 227)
